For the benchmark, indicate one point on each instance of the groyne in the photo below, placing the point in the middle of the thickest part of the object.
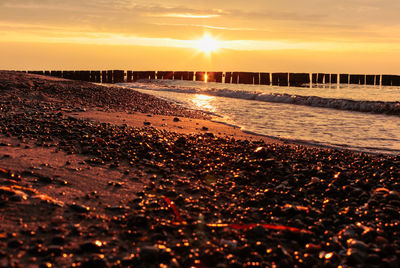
(256, 78)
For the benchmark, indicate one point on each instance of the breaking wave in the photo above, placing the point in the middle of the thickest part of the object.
(378, 107)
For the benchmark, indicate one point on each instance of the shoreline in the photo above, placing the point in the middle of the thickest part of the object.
(359, 146)
(90, 176)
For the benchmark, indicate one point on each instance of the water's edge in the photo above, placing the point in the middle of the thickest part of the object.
(217, 118)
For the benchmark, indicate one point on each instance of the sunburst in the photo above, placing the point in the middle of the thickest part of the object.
(207, 44)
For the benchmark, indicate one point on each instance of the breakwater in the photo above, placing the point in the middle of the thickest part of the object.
(262, 78)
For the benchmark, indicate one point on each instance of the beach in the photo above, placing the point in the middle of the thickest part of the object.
(95, 176)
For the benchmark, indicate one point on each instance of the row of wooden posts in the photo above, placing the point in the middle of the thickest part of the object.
(279, 79)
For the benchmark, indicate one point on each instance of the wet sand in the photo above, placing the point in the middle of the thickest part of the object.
(107, 177)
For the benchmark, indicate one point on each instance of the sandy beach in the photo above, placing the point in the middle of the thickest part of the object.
(95, 176)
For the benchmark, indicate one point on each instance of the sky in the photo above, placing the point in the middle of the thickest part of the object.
(355, 36)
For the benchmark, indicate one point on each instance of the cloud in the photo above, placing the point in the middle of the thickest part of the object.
(186, 15)
(312, 20)
(209, 27)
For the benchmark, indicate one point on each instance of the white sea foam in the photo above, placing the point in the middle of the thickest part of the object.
(380, 107)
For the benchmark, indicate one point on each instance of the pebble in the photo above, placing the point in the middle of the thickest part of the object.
(58, 240)
(353, 243)
(14, 243)
(149, 253)
(355, 256)
(91, 247)
(79, 208)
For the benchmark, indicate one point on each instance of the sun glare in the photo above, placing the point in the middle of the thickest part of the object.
(207, 44)
(204, 102)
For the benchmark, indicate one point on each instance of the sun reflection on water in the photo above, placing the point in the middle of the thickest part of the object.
(204, 102)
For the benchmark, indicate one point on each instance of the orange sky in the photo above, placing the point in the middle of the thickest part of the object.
(356, 36)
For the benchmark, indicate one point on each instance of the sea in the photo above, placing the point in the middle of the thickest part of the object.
(361, 118)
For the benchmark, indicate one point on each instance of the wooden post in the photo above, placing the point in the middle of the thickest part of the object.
(104, 76)
(334, 78)
(36, 72)
(265, 79)
(370, 79)
(320, 78)
(135, 76)
(395, 80)
(92, 76)
(327, 78)
(152, 75)
(355, 79)
(362, 79)
(218, 77)
(200, 76)
(299, 79)
(178, 75)
(235, 77)
(56, 74)
(228, 77)
(109, 78)
(378, 80)
(95, 76)
(65, 74)
(129, 76)
(76, 75)
(256, 78)
(119, 76)
(190, 76)
(280, 79)
(86, 76)
(344, 78)
(168, 75)
(246, 78)
(386, 80)
(314, 78)
(160, 75)
(140, 75)
(187, 76)
(211, 77)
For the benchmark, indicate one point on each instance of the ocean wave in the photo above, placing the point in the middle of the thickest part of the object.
(378, 107)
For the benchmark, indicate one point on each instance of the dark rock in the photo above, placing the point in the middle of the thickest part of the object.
(373, 259)
(355, 256)
(45, 179)
(149, 253)
(58, 240)
(138, 221)
(91, 247)
(79, 208)
(55, 250)
(14, 243)
(255, 232)
(353, 243)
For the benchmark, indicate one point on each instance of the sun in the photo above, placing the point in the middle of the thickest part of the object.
(207, 44)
